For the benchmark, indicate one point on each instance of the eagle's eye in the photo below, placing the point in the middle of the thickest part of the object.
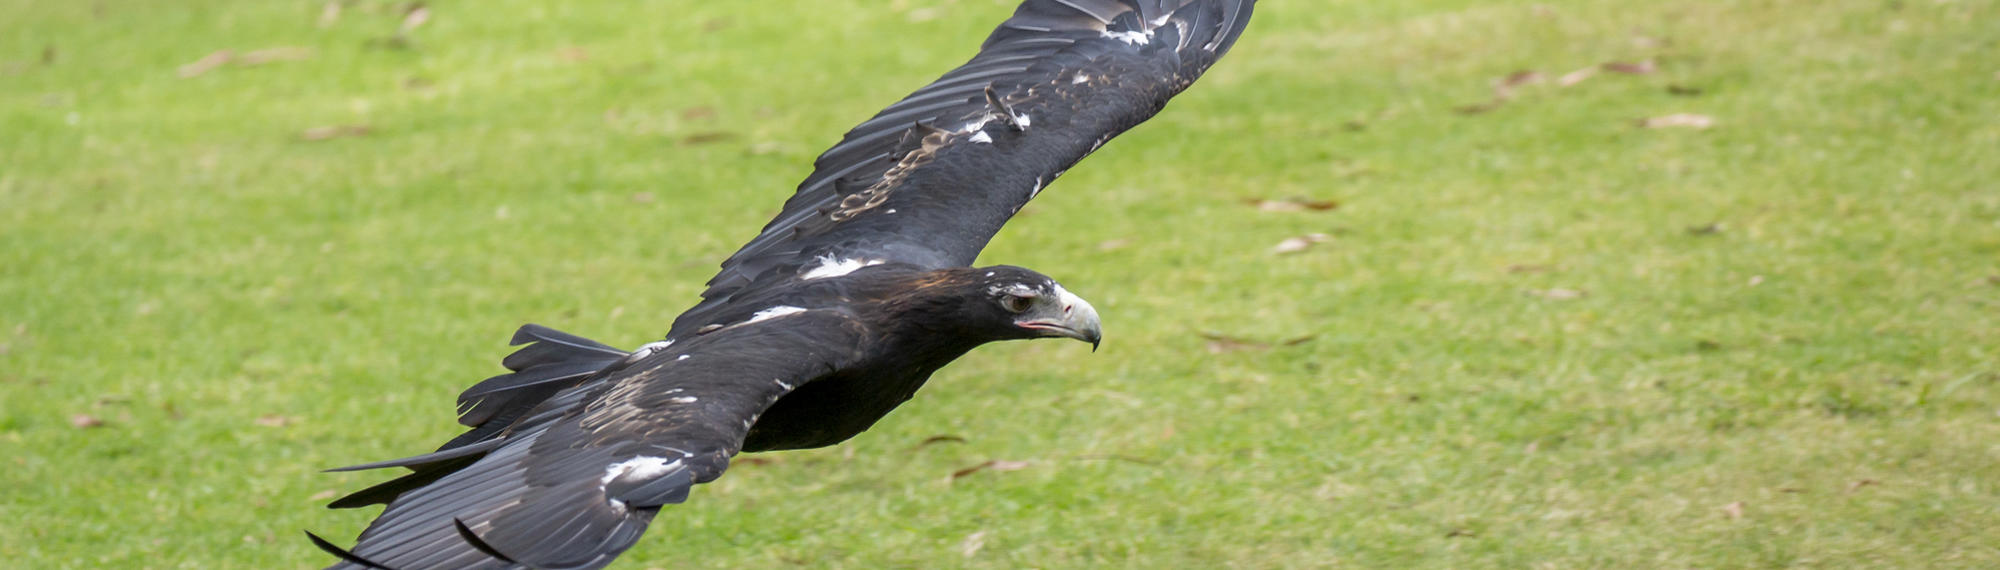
(1016, 303)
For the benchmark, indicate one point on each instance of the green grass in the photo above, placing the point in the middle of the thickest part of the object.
(176, 261)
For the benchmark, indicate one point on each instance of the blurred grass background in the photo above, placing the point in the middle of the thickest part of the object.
(1532, 333)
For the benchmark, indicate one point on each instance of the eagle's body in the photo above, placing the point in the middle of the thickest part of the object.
(836, 313)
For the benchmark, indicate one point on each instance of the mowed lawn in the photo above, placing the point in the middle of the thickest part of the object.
(1533, 331)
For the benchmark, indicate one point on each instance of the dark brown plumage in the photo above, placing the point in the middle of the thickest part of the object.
(833, 315)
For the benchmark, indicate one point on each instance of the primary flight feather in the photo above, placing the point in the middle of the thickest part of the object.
(833, 315)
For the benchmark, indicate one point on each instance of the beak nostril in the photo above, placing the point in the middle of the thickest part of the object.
(1066, 308)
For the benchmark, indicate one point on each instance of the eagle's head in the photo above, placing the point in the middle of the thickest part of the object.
(1004, 302)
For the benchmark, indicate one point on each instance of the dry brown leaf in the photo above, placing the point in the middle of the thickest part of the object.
(1294, 204)
(1710, 228)
(329, 14)
(1478, 108)
(1558, 294)
(1219, 343)
(273, 420)
(698, 113)
(85, 421)
(946, 438)
(1733, 510)
(1579, 76)
(1459, 532)
(333, 132)
(972, 543)
(1300, 243)
(1631, 68)
(1688, 120)
(207, 63)
(708, 137)
(276, 54)
(1679, 90)
(1528, 268)
(1522, 77)
(413, 19)
(991, 465)
(323, 495)
(1857, 485)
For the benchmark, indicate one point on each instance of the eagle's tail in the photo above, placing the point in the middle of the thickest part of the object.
(551, 361)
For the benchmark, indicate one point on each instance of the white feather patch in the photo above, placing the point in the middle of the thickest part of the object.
(647, 349)
(774, 312)
(1134, 38)
(832, 267)
(641, 468)
(981, 137)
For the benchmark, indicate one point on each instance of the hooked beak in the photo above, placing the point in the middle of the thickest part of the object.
(1067, 316)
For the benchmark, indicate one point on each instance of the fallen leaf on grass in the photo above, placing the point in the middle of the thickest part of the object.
(1477, 108)
(220, 58)
(85, 421)
(1505, 87)
(273, 420)
(206, 64)
(991, 465)
(1294, 204)
(323, 495)
(972, 543)
(1114, 244)
(1857, 485)
(1522, 77)
(698, 113)
(329, 14)
(1219, 343)
(1688, 120)
(1733, 510)
(330, 132)
(708, 138)
(1630, 68)
(1710, 228)
(938, 439)
(1300, 243)
(413, 19)
(270, 55)
(1559, 294)
(1528, 268)
(1579, 76)
(1678, 90)
(1460, 532)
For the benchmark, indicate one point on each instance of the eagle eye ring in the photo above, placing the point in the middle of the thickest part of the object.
(1016, 303)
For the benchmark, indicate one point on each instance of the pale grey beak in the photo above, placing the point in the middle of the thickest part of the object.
(1065, 315)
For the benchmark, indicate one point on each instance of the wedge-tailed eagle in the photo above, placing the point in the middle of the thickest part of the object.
(829, 318)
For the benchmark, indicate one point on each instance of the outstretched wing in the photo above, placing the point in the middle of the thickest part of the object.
(574, 482)
(929, 180)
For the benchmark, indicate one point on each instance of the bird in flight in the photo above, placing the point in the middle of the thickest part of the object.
(833, 315)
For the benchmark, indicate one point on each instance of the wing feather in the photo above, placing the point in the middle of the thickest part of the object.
(575, 481)
(1082, 71)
